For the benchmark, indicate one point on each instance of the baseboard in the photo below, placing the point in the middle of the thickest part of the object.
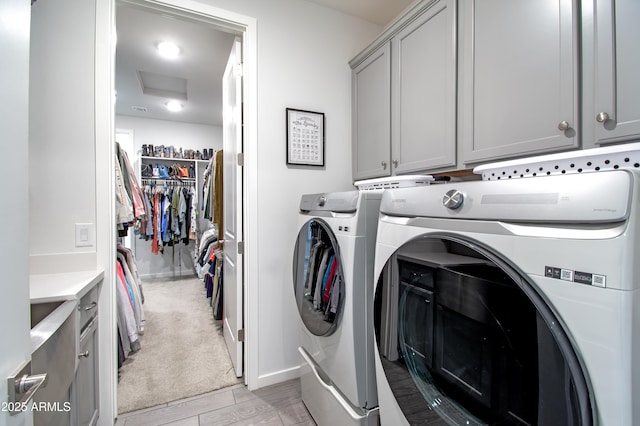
(278, 377)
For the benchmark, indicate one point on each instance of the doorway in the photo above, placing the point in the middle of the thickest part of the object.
(151, 123)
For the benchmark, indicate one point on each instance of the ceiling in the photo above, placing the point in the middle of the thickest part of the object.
(379, 12)
(198, 71)
(145, 81)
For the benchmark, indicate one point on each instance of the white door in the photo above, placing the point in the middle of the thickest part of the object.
(15, 22)
(232, 187)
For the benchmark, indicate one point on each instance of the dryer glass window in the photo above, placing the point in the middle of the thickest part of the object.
(466, 340)
(317, 278)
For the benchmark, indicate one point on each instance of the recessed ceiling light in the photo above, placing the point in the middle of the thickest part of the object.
(174, 106)
(168, 50)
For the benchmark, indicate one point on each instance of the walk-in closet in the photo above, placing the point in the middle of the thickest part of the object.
(169, 208)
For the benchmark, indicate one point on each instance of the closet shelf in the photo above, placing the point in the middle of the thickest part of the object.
(169, 159)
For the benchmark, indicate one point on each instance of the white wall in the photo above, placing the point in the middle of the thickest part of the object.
(303, 55)
(62, 172)
(159, 132)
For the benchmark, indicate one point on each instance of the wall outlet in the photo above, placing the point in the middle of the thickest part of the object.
(85, 234)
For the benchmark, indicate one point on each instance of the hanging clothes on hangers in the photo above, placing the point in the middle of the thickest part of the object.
(130, 206)
(218, 192)
(126, 316)
(207, 190)
(172, 207)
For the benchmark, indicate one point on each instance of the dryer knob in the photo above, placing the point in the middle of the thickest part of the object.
(453, 199)
(322, 201)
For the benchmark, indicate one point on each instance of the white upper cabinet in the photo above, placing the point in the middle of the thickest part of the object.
(423, 91)
(611, 39)
(404, 95)
(452, 84)
(518, 78)
(371, 112)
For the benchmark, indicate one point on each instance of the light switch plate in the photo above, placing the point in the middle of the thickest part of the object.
(85, 234)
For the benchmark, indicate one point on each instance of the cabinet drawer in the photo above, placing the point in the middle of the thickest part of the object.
(88, 306)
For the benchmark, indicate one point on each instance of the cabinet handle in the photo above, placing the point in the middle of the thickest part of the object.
(602, 117)
(384, 164)
(563, 125)
(89, 307)
(84, 354)
(395, 164)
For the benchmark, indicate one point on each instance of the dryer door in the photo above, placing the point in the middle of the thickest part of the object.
(318, 282)
(464, 338)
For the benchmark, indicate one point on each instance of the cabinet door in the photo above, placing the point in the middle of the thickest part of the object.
(371, 115)
(423, 91)
(616, 112)
(85, 385)
(518, 78)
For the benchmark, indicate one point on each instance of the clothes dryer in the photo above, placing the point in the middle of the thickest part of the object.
(513, 300)
(333, 290)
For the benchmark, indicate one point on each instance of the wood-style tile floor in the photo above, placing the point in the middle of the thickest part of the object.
(279, 405)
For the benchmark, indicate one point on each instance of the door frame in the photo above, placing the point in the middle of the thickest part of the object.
(105, 192)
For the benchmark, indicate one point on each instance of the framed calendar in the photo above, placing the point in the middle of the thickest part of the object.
(305, 137)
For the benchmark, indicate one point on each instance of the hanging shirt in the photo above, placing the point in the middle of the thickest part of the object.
(175, 215)
(124, 208)
(317, 293)
(218, 195)
(166, 207)
(334, 302)
(156, 226)
(192, 213)
(312, 269)
(182, 214)
(330, 279)
(149, 228)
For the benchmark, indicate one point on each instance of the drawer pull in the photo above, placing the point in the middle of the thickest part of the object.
(89, 307)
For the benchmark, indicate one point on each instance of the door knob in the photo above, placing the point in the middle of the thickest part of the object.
(563, 125)
(602, 117)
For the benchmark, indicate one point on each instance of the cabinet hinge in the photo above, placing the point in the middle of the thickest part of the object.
(241, 335)
(241, 159)
(238, 70)
(241, 247)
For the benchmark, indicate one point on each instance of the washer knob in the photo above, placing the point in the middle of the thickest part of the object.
(453, 199)
(322, 201)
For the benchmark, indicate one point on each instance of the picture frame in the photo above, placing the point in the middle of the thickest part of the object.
(305, 137)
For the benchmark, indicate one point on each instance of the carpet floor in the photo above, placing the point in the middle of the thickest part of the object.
(183, 351)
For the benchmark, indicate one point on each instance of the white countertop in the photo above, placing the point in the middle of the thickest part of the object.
(45, 288)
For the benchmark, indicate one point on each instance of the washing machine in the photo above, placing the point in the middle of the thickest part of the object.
(512, 300)
(333, 291)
